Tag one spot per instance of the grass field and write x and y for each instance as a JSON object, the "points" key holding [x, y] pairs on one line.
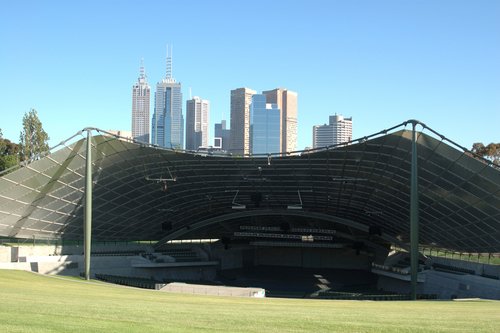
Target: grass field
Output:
{"points": [[36, 303]]}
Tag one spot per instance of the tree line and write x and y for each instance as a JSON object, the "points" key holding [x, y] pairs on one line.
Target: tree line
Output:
{"points": [[33, 141]]}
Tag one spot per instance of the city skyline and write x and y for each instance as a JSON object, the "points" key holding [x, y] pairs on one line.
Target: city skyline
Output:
{"points": [[380, 63]]}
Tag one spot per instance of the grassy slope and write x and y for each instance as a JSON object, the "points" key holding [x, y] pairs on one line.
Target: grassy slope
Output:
{"points": [[34, 303]]}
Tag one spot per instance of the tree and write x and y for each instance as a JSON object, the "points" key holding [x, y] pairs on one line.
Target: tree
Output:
{"points": [[8, 153], [490, 152], [33, 139]]}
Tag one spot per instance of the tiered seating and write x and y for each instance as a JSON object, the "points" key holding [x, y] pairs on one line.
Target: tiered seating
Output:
{"points": [[392, 269], [181, 255], [128, 281], [452, 269], [371, 296], [117, 253], [402, 267], [489, 276]]}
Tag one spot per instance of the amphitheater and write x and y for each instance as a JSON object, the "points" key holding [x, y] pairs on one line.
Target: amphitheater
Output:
{"points": [[403, 213]]}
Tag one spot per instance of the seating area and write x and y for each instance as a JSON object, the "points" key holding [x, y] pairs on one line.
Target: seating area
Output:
{"points": [[117, 253], [371, 296], [489, 276], [181, 255], [128, 281], [397, 268], [452, 269], [392, 269]]}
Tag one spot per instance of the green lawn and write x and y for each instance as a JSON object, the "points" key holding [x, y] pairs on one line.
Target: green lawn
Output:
{"points": [[35, 303]]}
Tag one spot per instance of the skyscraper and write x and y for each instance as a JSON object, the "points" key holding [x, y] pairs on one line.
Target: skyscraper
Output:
{"points": [[141, 96], [221, 136], [197, 119], [287, 103], [264, 126], [241, 99], [168, 122], [339, 130]]}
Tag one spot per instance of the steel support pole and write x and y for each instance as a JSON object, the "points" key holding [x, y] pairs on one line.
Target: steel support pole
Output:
{"points": [[414, 214], [88, 205]]}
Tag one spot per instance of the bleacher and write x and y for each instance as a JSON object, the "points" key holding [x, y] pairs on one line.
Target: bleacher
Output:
{"points": [[181, 255], [370, 296], [489, 276], [128, 281], [117, 253], [452, 269]]}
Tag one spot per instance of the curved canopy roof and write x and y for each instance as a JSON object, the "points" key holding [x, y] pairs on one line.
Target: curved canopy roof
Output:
{"points": [[147, 193]]}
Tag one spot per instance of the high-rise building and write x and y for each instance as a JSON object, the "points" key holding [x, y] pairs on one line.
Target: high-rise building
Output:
{"points": [[264, 126], [197, 119], [339, 130], [241, 99], [221, 136], [141, 96], [287, 103], [168, 122]]}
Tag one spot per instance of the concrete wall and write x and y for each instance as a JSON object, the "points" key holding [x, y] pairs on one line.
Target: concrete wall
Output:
{"points": [[446, 285], [213, 290], [57, 250], [5, 254], [45, 260], [478, 268]]}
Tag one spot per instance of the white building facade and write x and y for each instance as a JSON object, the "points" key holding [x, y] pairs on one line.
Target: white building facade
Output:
{"points": [[339, 130], [197, 120]]}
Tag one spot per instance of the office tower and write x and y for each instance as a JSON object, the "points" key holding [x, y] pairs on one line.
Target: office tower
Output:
{"points": [[221, 136], [339, 130], [168, 122], [241, 99], [287, 103], [141, 96], [197, 119], [264, 126]]}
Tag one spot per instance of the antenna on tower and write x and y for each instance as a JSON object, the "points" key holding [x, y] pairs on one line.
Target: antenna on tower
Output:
{"points": [[190, 94], [169, 63], [142, 71]]}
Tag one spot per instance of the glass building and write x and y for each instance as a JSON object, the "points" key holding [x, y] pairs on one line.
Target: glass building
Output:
{"points": [[168, 122], [221, 136], [264, 126], [287, 103]]}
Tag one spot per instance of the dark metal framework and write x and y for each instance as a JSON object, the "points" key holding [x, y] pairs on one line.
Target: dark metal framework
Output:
{"points": [[143, 192]]}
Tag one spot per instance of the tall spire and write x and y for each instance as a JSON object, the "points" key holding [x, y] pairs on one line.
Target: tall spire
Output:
{"points": [[169, 63], [142, 71]]}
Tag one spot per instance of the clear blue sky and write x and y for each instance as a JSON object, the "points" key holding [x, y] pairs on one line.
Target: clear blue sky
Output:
{"points": [[381, 62]]}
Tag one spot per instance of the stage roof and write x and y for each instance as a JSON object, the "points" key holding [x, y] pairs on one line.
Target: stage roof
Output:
{"points": [[143, 192]]}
